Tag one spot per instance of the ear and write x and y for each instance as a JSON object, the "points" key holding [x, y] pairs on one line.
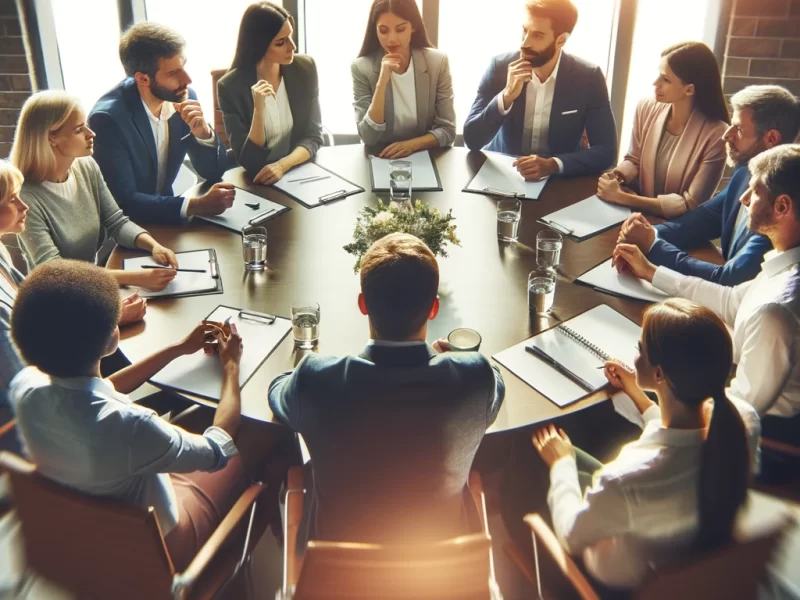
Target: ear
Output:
{"points": [[142, 79], [362, 304], [658, 375], [113, 343], [690, 89], [772, 138], [782, 207], [562, 39], [434, 309]]}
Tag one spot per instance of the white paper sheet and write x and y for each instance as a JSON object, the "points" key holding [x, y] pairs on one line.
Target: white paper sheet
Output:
{"points": [[184, 283], [423, 172], [605, 278], [326, 185], [201, 374], [239, 215], [587, 217], [497, 176]]}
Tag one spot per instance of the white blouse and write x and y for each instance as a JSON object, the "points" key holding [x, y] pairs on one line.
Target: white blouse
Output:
{"points": [[404, 95], [278, 124]]}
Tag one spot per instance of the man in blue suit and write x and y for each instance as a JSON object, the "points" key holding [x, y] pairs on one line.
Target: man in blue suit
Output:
{"points": [[147, 124], [393, 431], [537, 103], [764, 116]]}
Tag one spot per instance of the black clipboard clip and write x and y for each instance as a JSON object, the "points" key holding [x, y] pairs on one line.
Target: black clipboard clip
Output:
{"points": [[498, 192], [558, 228], [337, 195], [213, 265], [257, 317]]}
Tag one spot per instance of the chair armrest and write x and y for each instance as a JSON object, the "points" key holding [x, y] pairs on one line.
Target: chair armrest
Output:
{"points": [[183, 582], [781, 447], [564, 562], [295, 493]]}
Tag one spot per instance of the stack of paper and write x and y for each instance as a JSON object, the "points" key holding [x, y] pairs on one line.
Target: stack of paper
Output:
{"points": [[497, 177], [424, 176], [605, 278], [587, 217]]}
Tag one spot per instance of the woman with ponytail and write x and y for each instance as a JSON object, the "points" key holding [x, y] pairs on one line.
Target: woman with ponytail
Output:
{"points": [[678, 488]]}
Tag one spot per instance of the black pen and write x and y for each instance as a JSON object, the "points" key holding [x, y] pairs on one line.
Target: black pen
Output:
{"points": [[178, 270], [560, 368]]}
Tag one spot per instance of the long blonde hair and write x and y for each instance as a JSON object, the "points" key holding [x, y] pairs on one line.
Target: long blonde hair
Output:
{"points": [[10, 179], [42, 114]]}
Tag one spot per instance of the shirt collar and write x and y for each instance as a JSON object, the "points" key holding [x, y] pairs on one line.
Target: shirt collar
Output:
{"points": [[553, 75], [391, 344], [775, 262], [655, 433], [90, 384], [167, 110]]}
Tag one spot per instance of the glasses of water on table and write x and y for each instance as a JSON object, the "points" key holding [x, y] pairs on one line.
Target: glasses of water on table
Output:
{"points": [[254, 248], [548, 249], [305, 324], [400, 180], [541, 291], [509, 214]]}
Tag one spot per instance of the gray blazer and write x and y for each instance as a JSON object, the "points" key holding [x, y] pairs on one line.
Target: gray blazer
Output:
{"points": [[236, 103], [435, 112]]}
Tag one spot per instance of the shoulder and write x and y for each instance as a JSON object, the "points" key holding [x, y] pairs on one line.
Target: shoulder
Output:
{"points": [[579, 66], [433, 56], [112, 103], [26, 386], [472, 368], [86, 167], [304, 63], [232, 80], [363, 64]]}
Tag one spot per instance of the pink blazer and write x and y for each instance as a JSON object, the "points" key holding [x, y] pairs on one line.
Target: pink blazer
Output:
{"points": [[696, 166]]}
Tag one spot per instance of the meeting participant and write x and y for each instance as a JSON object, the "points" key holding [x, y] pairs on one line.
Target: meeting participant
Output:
{"points": [[764, 116], [680, 486], [146, 126], [402, 90], [72, 212], [392, 454], [270, 96], [677, 153], [765, 312], [538, 102]]}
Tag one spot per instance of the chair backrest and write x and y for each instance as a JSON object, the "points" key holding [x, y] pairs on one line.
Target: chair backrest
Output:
{"points": [[452, 569], [92, 547], [219, 123]]}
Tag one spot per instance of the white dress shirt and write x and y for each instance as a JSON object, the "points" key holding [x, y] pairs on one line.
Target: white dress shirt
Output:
{"points": [[82, 433], [404, 95], [641, 509], [278, 123], [538, 106], [765, 316]]}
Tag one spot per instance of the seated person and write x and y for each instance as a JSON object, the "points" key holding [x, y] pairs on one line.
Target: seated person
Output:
{"points": [[661, 497], [765, 312], [677, 152], [544, 121], [763, 117], [85, 433], [416, 112], [72, 212], [270, 97], [148, 123], [392, 432]]}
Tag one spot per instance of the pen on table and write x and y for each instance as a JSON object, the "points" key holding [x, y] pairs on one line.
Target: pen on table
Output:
{"points": [[559, 367], [313, 179], [178, 270], [302, 179]]}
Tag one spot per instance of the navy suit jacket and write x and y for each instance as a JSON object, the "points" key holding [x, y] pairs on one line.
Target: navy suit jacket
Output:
{"points": [[392, 434], [125, 149], [714, 219], [580, 87]]}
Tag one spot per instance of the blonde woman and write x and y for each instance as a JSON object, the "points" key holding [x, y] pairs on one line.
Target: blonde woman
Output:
{"points": [[72, 212]]}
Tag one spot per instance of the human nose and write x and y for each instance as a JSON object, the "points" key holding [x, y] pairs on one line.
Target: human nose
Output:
{"points": [[728, 135], [90, 134], [745, 199]]}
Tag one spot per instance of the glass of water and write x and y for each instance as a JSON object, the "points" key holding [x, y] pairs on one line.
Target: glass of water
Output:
{"points": [[541, 291], [509, 213], [305, 324], [400, 180], [548, 249], [254, 248]]}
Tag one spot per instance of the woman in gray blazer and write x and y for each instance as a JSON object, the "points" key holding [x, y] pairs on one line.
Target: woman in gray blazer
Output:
{"points": [[402, 91], [270, 97]]}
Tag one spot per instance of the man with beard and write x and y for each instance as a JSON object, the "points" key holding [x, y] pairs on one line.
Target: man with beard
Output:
{"points": [[538, 102], [764, 116], [765, 312], [147, 124]]}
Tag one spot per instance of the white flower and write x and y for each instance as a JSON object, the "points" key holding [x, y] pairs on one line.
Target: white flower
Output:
{"points": [[382, 217]]}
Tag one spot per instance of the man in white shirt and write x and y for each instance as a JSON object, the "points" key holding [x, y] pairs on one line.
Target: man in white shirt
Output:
{"points": [[765, 312]]}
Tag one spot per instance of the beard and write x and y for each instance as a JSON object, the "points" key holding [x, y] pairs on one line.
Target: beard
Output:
{"points": [[167, 95], [537, 59], [736, 158]]}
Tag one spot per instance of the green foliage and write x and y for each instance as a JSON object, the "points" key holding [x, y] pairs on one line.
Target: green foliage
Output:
{"points": [[420, 220]]}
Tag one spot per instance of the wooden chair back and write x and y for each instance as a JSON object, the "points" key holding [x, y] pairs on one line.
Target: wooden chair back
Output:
{"points": [[219, 123]]}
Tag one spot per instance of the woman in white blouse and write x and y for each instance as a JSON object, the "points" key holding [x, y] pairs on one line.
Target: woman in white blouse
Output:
{"points": [[402, 90], [270, 96], [680, 485]]}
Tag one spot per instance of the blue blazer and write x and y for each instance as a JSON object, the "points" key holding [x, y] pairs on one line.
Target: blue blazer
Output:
{"points": [[125, 149], [580, 87], [389, 432], [709, 221]]}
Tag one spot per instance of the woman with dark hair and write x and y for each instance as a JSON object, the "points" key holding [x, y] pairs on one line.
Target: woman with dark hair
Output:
{"points": [[270, 96], [681, 484], [677, 154], [402, 90]]}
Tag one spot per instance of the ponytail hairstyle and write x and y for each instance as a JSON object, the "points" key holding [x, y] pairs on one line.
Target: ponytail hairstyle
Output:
{"points": [[693, 348]]}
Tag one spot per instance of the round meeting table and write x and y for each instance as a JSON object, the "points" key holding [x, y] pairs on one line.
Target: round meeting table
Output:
{"points": [[483, 282]]}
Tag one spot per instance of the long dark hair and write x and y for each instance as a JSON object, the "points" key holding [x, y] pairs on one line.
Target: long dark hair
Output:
{"points": [[694, 63], [406, 9], [261, 22], [693, 348]]}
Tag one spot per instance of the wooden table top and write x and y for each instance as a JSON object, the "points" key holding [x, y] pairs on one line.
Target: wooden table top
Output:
{"points": [[483, 283]]}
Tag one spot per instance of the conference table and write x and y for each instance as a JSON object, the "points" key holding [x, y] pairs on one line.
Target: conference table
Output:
{"points": [[483, 283]]}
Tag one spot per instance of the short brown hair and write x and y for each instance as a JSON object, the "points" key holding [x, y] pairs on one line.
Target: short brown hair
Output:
{"points": [[562, 13], [64, 316], [778, 169], [400, 280], [143, 44]]}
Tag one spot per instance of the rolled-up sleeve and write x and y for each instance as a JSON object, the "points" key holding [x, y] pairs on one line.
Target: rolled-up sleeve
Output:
{"points": [[118, 226]]}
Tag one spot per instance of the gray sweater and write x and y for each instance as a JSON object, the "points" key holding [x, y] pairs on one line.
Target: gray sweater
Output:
{"points": [[57, 228]]}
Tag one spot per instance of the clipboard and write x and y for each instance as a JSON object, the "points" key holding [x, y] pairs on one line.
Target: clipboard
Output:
{"points": [[424, 174], [313, 181], [587, 218], [181, 286], [248, 210], [498, 178], [604, 278]]}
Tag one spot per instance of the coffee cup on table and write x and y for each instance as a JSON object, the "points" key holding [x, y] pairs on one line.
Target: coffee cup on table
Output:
{"points": [[464, 339]]}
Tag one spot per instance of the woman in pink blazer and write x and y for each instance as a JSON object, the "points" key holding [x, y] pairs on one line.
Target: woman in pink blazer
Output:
{"points": [[677, 154]]}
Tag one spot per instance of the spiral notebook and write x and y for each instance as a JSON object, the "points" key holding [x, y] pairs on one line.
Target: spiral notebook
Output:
{"points": [[564, 363]]}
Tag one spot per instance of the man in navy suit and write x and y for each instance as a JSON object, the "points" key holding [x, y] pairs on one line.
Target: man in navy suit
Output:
{"points": [[764, 116], [537, 103], [147, 124], [393, 431]]}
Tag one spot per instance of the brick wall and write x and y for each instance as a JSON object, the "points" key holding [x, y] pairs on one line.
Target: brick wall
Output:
{"points": [[15, 80]]}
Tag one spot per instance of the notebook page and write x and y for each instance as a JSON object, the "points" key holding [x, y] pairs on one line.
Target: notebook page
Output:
{"points": [[184, 283], [605, 278], [498, 174], [587, 217]]}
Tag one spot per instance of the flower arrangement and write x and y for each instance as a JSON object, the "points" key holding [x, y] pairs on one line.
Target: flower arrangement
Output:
{"points": [[419, 219]]}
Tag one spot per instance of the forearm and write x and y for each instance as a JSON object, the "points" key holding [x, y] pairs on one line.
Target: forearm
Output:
{"points": [[640, 399], [377, 108], [296, 157], [642, 203], [130, 378], [424, 142], [229, 410], [124, 278], [145, 241], [257, 135]]}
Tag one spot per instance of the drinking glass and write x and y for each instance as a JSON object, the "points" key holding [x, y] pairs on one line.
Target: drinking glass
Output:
{"points": [[509, 213], [464, 339], [541, 291], [548, 249], [400, 180], [254, 248], [305, 324]]}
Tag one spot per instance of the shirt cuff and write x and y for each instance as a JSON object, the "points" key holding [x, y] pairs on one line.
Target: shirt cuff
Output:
{"points": [[185, 209], [559, 163], [503, 110], [655, 240], [223, 445], [652, 413], [374, 125], [667, 280], [212, 141]]}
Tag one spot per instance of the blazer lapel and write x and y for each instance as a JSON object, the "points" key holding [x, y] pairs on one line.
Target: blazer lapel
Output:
{"points": [[562, 91], [422, 85], [141, 121], [649, 153], [683, 151], [294, 91]]}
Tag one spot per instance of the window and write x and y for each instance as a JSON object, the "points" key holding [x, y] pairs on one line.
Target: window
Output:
{"points": [[471, 34]]}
